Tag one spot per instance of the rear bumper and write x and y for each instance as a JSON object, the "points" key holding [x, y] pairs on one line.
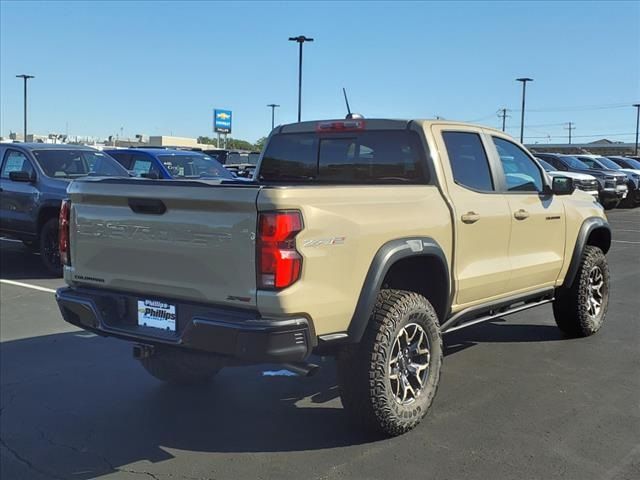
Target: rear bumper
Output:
{"points": [[237, 334]]}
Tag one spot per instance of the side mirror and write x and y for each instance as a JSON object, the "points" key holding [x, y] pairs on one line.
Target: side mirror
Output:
{"points": [[562, 186], [20, 176]]}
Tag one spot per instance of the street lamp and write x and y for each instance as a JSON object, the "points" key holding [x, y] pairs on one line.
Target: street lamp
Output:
{"points": [[25, 78], [637, 105], [300, 39], [273, 107], [524, 93]]}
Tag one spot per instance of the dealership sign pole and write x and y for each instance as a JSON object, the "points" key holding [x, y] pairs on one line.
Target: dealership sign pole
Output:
{"points": [[222, 124]]}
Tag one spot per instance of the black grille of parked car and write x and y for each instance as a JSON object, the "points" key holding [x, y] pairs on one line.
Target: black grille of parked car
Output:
{"points": [[587, 185], [609, 182], [621, 180]]}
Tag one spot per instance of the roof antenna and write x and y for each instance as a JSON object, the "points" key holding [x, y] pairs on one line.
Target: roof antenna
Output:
{"points": [[350, 116]]}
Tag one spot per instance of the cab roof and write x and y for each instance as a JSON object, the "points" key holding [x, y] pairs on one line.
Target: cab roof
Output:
{"points": [[47, 146], [377, 124]]}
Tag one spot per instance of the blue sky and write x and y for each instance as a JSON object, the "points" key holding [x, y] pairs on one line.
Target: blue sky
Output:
{"points": [[160, 67]]}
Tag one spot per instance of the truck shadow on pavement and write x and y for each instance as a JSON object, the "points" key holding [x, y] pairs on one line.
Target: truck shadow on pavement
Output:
{"points": [[18, 262], [74, 405]]}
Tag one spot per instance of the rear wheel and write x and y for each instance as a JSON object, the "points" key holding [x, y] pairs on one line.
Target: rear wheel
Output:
{"points": [[388, 381], [49, 247], [181, 367], [580, 309]]}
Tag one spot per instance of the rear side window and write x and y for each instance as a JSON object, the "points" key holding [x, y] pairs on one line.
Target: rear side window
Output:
{"points": [[468, 160], [370, 157]]}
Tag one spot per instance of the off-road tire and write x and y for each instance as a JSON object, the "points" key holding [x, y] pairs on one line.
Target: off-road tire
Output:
{"points": [[174, 366], [610, 204], [571, 306], [364, 369], [48, 245]]}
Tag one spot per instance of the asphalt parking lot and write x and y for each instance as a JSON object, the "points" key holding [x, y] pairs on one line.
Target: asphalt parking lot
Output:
{"points": [[516, 401]]}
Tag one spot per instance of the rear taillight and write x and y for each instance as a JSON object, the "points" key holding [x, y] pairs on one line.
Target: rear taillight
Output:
{"points": [[279, 264], [63, 232]]}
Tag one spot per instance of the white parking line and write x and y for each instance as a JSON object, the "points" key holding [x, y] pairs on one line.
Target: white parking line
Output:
{"points": [[623, 241], [27, 285]]}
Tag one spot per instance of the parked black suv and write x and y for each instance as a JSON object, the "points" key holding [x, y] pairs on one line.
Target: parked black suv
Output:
{"points": [[33, 181], [597, 162], [612, 186]]}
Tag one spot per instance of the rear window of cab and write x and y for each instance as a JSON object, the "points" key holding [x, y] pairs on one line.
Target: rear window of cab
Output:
{"points": [[363, 157]]}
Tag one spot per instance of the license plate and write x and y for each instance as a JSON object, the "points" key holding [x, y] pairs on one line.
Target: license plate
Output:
{"points": [[156, 314]]}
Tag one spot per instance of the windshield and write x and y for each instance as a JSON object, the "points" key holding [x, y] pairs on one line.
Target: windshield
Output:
{"points": [[573, 162], [631, 163], [609, 163], [547, 166], [78, 163], [194, 166]]}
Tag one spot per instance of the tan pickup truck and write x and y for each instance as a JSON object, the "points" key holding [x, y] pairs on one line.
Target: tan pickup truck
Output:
{"points": [[362, 239]]}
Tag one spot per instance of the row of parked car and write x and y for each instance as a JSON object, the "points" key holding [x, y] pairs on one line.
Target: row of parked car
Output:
{"points": [[34, 179], [612, 180]]}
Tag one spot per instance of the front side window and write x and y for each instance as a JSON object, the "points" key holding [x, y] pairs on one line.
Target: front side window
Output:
{"points": [[520, 171], [15, 161], [469, 161], [78, 163]]}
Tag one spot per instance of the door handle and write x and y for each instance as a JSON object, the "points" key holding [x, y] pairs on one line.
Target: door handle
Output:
{"points": [[521, 214], [470, 217]]}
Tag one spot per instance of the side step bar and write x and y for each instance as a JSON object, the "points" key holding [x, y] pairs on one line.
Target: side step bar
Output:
{"points": [[482, 313]]}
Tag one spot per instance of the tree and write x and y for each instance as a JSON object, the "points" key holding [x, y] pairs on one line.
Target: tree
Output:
{"points": [[260, 143]]}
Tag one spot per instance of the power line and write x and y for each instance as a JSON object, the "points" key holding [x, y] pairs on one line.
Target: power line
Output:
{"points": [[570, 127], [590, 135], [502, 113], [579, 108]]}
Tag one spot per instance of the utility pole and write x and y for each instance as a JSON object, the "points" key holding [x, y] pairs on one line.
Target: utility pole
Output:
{"points": [[524, 81], [502, 113], [25, 78], [273, 107], [300, 39], [637, 105], [570, 127]]}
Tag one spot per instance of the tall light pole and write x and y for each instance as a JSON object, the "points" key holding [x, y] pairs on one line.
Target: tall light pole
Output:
{"points": [[300, 39], [25, 78], [273, 107], [524, 94], [637, 105]]}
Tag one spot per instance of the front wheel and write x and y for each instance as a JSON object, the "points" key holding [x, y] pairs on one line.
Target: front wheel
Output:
{"points": [[580, 309], [388, 381], [49, 252]]}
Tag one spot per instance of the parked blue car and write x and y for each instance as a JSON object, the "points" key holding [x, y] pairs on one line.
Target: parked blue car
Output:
{"points": [[33, 182], [161, 163]]}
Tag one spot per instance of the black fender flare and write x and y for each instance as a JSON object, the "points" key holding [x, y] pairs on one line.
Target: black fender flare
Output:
{"points": [[383, 260], [587, 227]]}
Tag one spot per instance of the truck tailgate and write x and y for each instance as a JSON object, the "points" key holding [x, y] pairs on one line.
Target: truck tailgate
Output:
{"points": [[165, 239]]}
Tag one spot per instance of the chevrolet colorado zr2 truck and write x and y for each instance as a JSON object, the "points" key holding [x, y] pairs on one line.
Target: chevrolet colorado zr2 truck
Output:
{"points": [[362, 239]]}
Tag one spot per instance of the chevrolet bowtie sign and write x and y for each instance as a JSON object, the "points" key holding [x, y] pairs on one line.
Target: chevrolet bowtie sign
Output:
{"points": [[222, 121]]}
